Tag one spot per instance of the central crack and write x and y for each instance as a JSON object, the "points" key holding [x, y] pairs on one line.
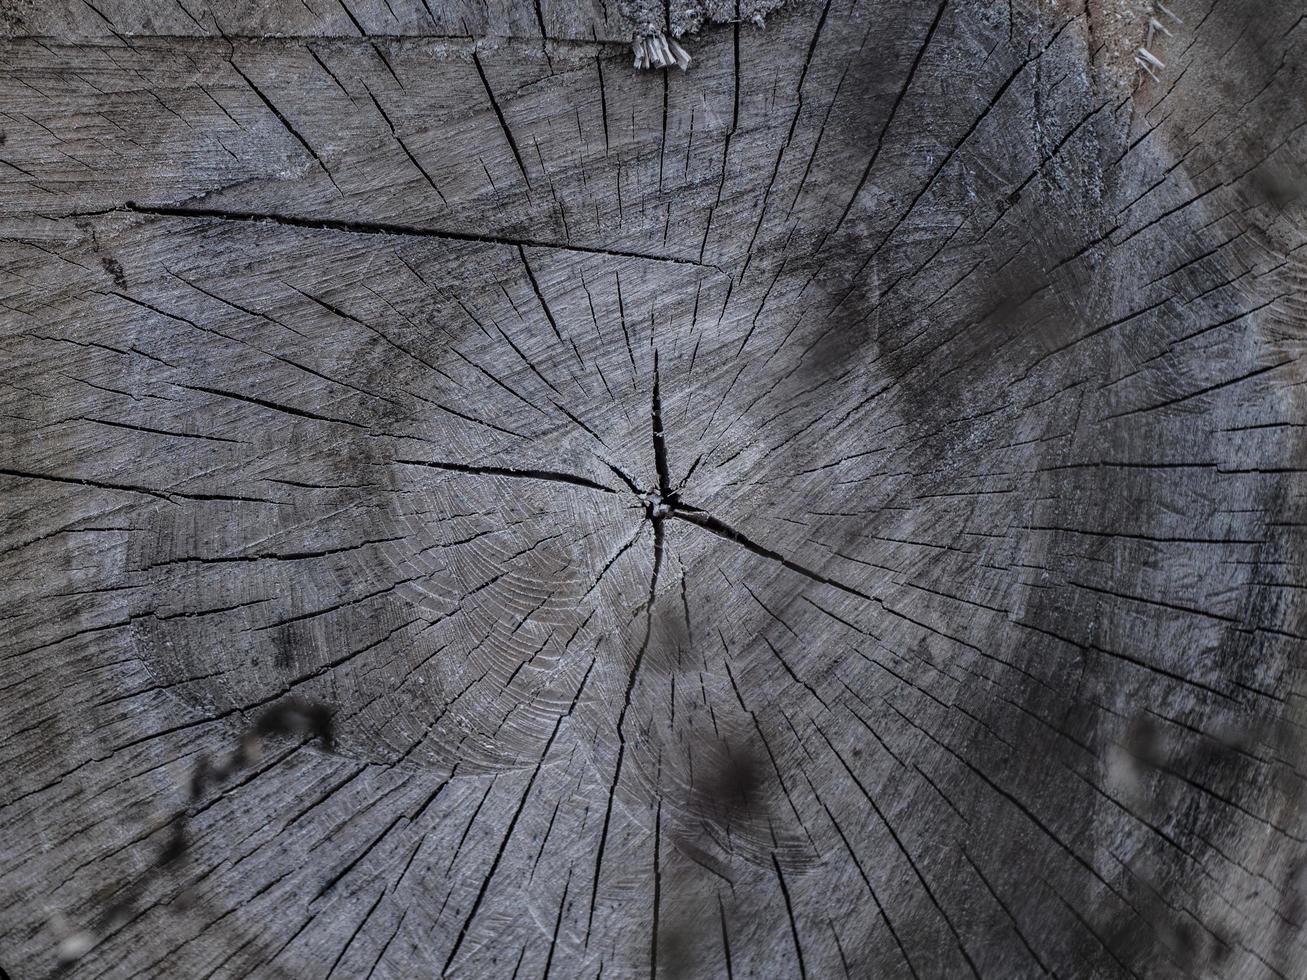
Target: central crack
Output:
{"points": [[660, 502], [655, 507], [664, 501]]}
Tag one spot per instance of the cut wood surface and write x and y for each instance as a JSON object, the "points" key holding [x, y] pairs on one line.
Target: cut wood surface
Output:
{"points": [[835, 511]]}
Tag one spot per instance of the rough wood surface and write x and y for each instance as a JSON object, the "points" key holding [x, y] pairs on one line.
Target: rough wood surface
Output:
{"points": [[835, 511]]}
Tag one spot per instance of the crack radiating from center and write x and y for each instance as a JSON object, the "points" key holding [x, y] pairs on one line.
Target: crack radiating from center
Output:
{"points": [[720, 528], [551, 476], [659, 441], [661, 501]]}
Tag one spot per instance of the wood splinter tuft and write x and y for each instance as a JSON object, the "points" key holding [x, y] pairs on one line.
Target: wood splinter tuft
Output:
{"points": [[657, 25], [658, 51], [1144, 58]]}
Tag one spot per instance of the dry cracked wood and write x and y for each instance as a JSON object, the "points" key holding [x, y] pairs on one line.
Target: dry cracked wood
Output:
{"points": [[835, 511]]}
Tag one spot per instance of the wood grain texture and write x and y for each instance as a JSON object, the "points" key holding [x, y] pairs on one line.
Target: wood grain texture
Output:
{"points": [[374, 20], [837, 511]]}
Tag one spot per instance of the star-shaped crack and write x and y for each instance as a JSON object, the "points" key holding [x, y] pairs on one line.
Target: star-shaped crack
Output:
{"points": [[660, 503]]}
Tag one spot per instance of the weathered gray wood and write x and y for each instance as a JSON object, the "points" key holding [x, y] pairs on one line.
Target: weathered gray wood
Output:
{"points": [[834, 511], [563, 20]]}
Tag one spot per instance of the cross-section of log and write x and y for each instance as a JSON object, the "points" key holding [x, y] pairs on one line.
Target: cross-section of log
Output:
{"points": [[474, 508]]}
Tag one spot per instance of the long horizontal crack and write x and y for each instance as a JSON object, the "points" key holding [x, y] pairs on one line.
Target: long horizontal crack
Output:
{"points": [[550, 476], [378, 228], [724, 530]]}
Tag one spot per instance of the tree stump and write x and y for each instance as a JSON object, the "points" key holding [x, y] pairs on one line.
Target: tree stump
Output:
{"points": [[475, 508]]}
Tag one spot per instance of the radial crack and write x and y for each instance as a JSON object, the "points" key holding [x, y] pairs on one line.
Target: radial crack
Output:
{"points": [[723, 530], [375, 228], [659, 443], [550, 476]]}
